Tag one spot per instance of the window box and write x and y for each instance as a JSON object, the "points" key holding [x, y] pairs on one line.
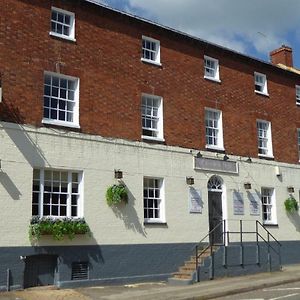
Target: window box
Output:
{"points": [[62, 24], [57, 227]]}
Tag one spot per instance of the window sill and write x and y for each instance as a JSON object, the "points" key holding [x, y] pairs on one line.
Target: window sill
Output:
{"points": [[151, 62], [271, 224], [262, 93], [60, 123], [214, 148], [269, 157], [212, 79], [155, 223], [64, 37], [154, 139]]}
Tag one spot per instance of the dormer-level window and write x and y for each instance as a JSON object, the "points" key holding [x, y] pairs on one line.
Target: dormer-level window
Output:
{"points": [[211, 68], [150, 50], [62, 23], [260, 83], [298, 94]]}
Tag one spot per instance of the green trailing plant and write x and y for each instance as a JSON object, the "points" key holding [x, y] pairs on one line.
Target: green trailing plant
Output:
{"points": [[291, 204], [57, 227], [116, 194]]}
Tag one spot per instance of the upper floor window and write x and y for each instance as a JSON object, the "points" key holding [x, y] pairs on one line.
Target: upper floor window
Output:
{"points": [[260, 82], [268, 205], [152, 117], [56, 193], [62, 23], [211, 68], [61, 100], [298, 131], [264, 138], [153, 200], [150, 50], [298, 94], [214, 129]]}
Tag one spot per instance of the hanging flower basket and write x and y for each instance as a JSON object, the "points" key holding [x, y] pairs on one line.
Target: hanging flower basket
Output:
{"points": [[116, 194], [291, 205]]}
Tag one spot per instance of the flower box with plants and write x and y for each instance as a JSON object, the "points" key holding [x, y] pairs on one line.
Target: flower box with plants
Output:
{"points": [[116, 194], [57, 227], [291, 205]]}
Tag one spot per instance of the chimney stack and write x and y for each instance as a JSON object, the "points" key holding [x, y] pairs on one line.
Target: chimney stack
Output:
{"points": [[282, 55]]}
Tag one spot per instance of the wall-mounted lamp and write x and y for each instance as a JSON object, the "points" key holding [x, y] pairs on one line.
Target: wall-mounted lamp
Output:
{"points": [[226, 157], [290, 189], [190, 180], [247, 186], [249, 160], [118, 174], [199, 155]]}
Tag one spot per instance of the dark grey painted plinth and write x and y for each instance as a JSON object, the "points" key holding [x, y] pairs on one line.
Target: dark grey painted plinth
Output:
{"points": [[108, 264]]}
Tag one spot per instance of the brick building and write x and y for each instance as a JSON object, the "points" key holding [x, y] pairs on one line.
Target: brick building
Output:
{"points": [[201, 134]]}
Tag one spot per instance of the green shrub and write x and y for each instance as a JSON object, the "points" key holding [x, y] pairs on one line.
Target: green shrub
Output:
{"points": [[115, 194], [291, 204], [57, 227]]}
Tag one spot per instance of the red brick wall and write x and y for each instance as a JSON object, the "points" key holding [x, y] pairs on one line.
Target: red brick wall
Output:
{"points": [[106, 58]]}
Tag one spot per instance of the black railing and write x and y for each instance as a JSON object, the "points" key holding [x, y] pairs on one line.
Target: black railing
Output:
{"points": [[214, 240]]}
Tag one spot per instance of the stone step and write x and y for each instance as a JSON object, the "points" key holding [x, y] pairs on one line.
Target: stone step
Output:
{"points": [[183, 276]]}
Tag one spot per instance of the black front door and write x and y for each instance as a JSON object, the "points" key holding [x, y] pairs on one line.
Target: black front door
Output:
{"points": [[215, 217], [39, 270]]}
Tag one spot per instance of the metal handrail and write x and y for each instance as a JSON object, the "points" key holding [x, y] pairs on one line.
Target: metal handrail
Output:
{"points": [[263, 227], [241, 233]]}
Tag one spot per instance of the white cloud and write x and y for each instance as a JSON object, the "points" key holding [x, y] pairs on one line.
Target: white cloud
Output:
{"points": [[237, 24]]}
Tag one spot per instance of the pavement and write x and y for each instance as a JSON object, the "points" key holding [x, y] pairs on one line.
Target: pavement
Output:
{"points": [[214, 289]]}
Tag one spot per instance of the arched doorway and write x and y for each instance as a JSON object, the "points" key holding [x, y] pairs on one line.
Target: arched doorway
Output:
{"points": [[215, 210]]}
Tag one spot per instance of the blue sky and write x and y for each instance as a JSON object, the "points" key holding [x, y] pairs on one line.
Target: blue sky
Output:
{"points": [[253, 27]]}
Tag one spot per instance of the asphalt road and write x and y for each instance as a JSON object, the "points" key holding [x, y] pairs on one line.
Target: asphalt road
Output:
{"points": [[288, 291]]}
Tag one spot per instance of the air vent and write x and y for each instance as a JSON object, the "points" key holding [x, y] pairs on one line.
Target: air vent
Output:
{"points": [[80, 270]]}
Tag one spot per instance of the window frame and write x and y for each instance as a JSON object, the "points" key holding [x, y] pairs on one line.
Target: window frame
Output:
{"points": [[272, 211], [268, 138], [160, 129], [71, 36], [264, 85], [297, 95], [69, 193], [156, 61], [298, 138], [162, 216], [219, 137], [216, 70], [75, 122]]}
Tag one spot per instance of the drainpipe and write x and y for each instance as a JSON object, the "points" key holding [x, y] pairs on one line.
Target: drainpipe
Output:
{"points": [[8, 280]]}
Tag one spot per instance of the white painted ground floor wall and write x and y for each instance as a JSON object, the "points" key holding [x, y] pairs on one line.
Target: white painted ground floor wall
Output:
{"points": [[24, 148], [122, 247]]}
